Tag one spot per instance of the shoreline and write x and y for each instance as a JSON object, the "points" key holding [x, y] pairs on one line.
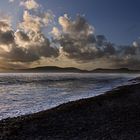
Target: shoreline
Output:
{"points": [[113, 115]]}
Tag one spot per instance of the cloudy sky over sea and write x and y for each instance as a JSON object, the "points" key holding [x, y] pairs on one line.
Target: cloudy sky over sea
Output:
{"points": [[86, 34]]}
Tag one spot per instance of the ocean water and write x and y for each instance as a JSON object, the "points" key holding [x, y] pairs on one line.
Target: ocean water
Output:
{"points": [[25, 93]]}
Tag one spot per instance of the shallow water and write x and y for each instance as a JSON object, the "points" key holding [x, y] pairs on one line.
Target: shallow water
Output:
{"points": [[25, 93]]}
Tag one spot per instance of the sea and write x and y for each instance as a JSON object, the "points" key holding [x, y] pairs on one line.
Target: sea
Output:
{"points": [[27, 93]]}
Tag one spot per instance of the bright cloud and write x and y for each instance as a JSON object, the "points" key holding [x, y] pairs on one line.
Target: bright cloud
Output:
{"points": [[30, 4]]}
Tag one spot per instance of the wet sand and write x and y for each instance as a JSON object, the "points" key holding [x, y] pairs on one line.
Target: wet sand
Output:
{"points": [[112, 116]]}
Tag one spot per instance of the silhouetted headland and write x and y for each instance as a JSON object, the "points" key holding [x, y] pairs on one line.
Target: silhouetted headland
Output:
{"points": [[76, 70]]}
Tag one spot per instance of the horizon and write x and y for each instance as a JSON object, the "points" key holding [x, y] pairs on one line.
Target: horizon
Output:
{"points": [[57, 68], [84, 34]]}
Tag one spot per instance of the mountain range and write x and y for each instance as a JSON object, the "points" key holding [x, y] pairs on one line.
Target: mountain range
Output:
{"points": [[76, 70]]}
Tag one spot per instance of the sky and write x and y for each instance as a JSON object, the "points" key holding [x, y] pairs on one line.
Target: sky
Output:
{"points": [[86, 34], [118, 20]]}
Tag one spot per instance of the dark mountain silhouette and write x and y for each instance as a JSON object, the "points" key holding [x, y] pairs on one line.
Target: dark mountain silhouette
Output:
{"points": [[53, 69], [121, 70], [76, 70]]}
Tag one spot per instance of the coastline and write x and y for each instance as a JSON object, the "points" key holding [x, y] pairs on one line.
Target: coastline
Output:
{"points": [[113, 115]]}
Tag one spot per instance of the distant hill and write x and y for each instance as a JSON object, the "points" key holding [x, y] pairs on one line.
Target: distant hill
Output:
{"points": [[53, 69], [76, 70], [121, 70]]}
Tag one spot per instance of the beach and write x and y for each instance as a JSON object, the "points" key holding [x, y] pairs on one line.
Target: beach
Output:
{"points": [[114, 115]]}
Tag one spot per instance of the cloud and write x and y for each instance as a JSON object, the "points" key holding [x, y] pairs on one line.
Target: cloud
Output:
{"points": [[21, 37], [35, 23], [78, 40], [6, 37], [55, 32], [24, 45], [30, 22], [6, 33], [29, 4]]}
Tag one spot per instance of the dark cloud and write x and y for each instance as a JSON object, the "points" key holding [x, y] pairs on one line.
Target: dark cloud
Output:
{"points": [[33, 50], [6, 33], [21, 35], [4, 25], [25, 47], [79, 42], [6, 37]]}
